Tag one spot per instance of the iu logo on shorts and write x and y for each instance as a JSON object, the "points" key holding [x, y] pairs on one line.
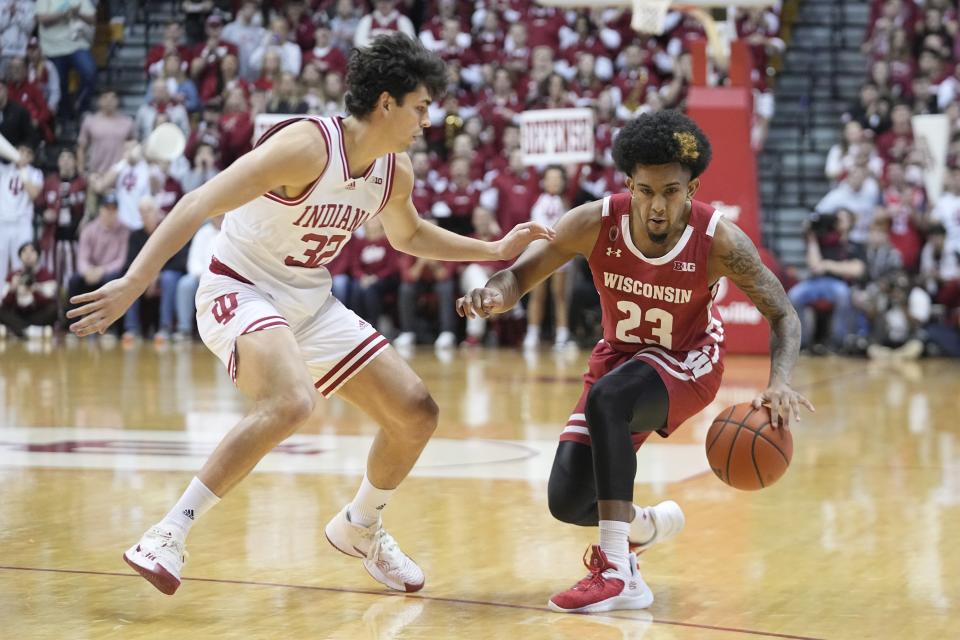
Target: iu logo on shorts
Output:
{"points": [[224, 308]]}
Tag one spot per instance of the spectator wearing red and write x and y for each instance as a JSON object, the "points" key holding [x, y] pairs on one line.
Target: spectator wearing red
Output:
{"points": [[896, 143], [517, 50], [454, 48], [500, 105], [512, 192], [324, 55], [43, 73], [270, 71], [586, 85], [63, 202], [205, 66], [554, 93], [236, 128], [375, 271], [584, 38], [634, 79], [161, 108], [431, 31], [28, 300], [172, 43], [302, 26], [383, 19], [30, 97], [488, 39], [423, 193], [454, 205], [543, 25], [230, 78], [905, 205]]}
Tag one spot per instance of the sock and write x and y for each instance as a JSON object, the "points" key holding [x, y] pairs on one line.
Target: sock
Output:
{"points": [[533, 330], [194, 502], [368, 503], [563, 335], [642, 529], [613, 542]]}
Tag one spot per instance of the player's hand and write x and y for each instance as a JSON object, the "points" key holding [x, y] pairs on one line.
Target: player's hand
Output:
{"points": [[101, 308], [480, 303], [784, 404], [513, 244]]}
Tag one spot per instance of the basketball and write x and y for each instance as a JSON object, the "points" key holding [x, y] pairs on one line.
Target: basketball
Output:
{"points": [[745, 451]]}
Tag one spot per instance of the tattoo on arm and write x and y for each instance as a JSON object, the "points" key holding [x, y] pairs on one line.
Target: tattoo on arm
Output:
{"points": [[744, 267]]}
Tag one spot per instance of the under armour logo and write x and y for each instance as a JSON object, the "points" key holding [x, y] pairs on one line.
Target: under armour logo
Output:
{"points": [[614, 252], [362, 324], [188, 513], [351, 185]]}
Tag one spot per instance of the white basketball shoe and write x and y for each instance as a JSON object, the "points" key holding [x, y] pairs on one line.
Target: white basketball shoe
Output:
{"points": [[158, 557], [668, 521], [382, 558]]}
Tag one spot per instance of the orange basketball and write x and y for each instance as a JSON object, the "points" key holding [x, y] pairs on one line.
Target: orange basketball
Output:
{"points": [[744, 449]]}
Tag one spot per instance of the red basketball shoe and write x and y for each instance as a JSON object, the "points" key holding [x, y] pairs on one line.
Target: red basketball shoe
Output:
{"points": [[607, 588]]}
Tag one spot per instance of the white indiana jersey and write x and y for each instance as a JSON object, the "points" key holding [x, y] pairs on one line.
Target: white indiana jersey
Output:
{"points": [[15, 202], [282, 245]]}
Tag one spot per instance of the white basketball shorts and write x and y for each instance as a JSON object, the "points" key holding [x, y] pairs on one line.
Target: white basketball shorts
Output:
{"points": [[335, 342]]}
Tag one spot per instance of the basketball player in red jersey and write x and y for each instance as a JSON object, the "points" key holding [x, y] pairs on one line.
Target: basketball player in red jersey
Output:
{"points": [[265, 309], [656, 255]]}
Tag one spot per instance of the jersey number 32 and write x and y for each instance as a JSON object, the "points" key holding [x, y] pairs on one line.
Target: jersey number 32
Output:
{"points": [[663, 331], [323, 249]]}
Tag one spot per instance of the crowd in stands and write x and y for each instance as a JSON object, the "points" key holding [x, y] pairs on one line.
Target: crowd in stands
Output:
{"points": [[883, 253], [224, 62]]}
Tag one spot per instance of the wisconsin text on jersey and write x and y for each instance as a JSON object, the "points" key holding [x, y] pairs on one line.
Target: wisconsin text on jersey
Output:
{"points": [[337, 216], [620, 282]]}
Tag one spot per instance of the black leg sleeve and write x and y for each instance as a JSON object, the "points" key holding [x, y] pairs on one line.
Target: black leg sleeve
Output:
{"points": [[572, 491], [630, 398]]}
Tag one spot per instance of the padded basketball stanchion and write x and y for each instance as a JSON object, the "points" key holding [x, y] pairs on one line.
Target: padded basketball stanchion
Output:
{"points": [[730, 184]]}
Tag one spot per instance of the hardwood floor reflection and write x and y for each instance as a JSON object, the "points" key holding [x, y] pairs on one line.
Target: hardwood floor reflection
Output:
{"points": [[857, 540]]}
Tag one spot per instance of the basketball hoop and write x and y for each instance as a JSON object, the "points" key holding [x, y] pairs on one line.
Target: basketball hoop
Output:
{"points": [[650, 16]]}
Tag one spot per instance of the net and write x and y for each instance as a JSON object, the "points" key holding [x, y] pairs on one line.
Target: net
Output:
{"points": [[650, 16]]}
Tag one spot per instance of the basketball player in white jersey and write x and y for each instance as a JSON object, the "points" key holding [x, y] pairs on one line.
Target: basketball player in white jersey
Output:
{"points": [[265, 308], [20, 184]]}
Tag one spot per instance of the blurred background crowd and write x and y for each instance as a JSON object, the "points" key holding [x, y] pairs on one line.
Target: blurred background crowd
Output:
{"points": [[82, 200]]}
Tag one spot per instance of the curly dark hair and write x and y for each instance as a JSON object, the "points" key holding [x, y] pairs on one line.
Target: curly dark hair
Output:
{"points": [[664, 137], [393, 63]]}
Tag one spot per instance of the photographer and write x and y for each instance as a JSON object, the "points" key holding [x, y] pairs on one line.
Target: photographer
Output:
{"points": [[835, 264], [28, 297]]}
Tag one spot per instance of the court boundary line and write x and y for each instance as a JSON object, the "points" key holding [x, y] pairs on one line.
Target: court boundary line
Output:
{"points": [[484, 603]]}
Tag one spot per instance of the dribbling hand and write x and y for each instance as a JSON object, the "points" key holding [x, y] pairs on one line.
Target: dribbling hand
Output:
{"points": [[512, 244], [480, 303], [784, 403], [101, 308]]}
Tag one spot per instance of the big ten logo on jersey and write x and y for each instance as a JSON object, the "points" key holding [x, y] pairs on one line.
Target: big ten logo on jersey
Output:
{"points": [[225, 307], [689, 267]]}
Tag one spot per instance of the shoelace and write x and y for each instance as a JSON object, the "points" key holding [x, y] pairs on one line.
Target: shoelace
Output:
{"points": [[384, 546], [166, 541], [595, 580]]}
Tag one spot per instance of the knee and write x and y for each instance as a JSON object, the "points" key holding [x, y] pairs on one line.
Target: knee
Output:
{"points": [[286, 412], [602, 401], [421, 414]]}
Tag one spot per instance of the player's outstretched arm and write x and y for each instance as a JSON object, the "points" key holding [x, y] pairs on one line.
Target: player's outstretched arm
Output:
{"points": [[733, 255], [576, 234], [408, 233], [294, 157]]}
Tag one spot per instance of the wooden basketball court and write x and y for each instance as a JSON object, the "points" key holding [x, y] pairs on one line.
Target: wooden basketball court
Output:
{"points": [[859, 540]]}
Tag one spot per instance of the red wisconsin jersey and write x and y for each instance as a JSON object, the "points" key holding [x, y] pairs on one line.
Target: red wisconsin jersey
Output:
{"points": [[664, 301]]}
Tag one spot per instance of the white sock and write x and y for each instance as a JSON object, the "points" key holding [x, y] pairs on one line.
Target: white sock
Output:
{"points": [[642, 529], [614, 543], [368, 503], [533, 330], [194, 502], [563, 335]]}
